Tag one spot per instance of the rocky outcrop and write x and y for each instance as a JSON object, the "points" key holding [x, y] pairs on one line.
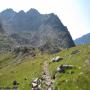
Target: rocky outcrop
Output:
{"points": [[56, 59], [62, 68], [44, 31]]}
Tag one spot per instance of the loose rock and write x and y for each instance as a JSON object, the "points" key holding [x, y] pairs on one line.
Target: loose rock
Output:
{"points": [[62, 68], [36, 84], [75, 52], [56, 59]]}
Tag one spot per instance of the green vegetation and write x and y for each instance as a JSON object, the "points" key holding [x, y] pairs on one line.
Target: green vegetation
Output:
{"points": [[78, 77], [23, 73], [25, 69], [5, 42]]}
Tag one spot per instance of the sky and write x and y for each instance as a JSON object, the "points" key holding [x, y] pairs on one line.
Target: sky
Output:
{"points": [[75, 14]]}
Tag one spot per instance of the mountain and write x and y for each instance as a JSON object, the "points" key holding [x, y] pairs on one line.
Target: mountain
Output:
{"points": [[44, 31], [83, 40], [1, 29], [6, 42], [23, 35]]}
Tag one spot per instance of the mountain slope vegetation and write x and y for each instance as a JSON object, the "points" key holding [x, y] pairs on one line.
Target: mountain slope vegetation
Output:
{"points": [[25, 69]]}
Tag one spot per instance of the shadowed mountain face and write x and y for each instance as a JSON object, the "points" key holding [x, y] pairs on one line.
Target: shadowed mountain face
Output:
{"points": [[83, 40], [5, 41], [1, 29], [44, 31]]}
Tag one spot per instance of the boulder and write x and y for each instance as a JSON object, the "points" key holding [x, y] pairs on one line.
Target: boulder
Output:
{"points": [[62, 68], [34, 85], [15, 82], [75, 52], [56, 59], [37, 81]]}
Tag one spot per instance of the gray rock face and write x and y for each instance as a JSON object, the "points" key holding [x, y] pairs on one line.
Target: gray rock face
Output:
{"points": [[1, 28], [44, 31]]}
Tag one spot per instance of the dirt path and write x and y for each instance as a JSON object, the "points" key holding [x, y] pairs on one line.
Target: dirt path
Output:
{"points": [[47, 77]]}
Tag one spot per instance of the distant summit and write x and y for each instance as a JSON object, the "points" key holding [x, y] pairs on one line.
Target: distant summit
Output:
{"points": [[21, 12], [44, 31], [7, 14], [8, 11], [83, 40], [33, 11]]}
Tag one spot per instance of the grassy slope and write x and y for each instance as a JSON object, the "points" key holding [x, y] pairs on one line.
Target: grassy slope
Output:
{"points": [[32, 67], [79, 79]]}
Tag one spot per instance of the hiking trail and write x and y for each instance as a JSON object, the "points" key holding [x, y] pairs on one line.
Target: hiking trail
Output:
{"points": [[47, 76]]}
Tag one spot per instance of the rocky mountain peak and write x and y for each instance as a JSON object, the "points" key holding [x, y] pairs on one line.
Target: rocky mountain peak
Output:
{"points": [[7, 14], [33, 11], [21, 12], [9, 10]]}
